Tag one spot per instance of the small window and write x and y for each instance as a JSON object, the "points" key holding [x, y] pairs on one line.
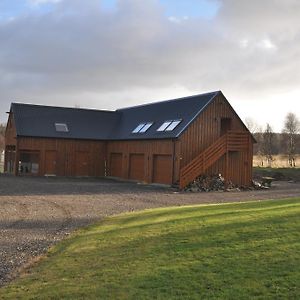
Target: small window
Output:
{"points": [[173, 125], [142, 127], [138, 128], [169, 125], [164, 126], [146, 127], [61, 127]]}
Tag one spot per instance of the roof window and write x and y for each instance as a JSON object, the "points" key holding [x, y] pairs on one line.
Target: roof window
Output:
{"points": [[142, 127], [169, 125], [61, 127]]}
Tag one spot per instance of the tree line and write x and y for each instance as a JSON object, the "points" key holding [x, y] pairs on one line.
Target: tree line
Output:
{"points": [[270, 143], [2, 133]]}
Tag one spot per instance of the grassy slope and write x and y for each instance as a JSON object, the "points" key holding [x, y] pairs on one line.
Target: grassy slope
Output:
{"points": [[232, 251]]}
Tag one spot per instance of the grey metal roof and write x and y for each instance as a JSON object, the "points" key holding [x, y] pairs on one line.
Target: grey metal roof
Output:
{"points": [[39, 121], [186, 109]]}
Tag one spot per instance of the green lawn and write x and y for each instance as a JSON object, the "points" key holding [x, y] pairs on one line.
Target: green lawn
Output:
{"points": [[230, 251], [278, 173]]}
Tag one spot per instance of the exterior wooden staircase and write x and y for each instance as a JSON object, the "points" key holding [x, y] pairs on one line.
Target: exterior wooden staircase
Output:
{"points": [[231, 141]]}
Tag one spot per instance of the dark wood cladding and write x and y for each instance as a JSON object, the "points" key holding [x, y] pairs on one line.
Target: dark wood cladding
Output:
{"points": [[65, 157]]}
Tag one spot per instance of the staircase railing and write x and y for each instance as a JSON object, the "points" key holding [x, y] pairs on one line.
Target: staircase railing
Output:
{"points": [[231, 141]]}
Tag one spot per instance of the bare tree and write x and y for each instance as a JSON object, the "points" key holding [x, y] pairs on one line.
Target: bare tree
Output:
{"points": [[252, 126], [267, 146], [2, 134], [290, 131]]}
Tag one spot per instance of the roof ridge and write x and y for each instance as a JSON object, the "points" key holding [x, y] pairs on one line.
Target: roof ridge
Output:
{"points": [[63, 107], [166, 101]]}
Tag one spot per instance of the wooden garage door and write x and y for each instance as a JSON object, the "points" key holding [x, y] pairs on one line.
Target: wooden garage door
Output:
{"points": [[116, 165], [162, 169], [137, 167], [50, 162], [82, 163]]}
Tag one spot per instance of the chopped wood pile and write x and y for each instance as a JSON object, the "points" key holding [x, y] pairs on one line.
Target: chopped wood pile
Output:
{"points": [[209, 183]]}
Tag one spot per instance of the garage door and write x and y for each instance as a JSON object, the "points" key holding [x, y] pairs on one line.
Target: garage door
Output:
{"points": [[116, 165], [82, 164], [162, 169], [137, 167]]}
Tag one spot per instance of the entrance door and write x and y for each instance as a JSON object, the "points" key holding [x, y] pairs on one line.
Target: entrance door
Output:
{"points": [[225, 125], [137, 167], [50, 162], [162, 169], [82, 163], [116, 165]]}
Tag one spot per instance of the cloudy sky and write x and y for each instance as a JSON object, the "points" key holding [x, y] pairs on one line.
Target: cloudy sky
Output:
{"points": [[108, 54]]}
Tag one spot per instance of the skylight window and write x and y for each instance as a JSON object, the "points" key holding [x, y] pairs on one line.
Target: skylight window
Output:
{"points": [[61, 127], [169, 125], [142, 127], [164, 126], [146, 127], [173, 125]]}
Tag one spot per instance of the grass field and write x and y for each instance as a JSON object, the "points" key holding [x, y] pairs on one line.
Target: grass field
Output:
{"points": [[278, 173], [229, 251], [279, 161]]}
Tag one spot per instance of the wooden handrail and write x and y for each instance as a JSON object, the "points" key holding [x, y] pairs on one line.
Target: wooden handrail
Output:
{"points": [[231, 141]]}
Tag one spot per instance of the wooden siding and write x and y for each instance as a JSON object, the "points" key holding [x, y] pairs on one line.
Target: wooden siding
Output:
{"points": [[158, 161], [137, 166], [205, 130], [149, 149], [67, 157], [50, 162], [10, 132], [116, 162], [162, 169]]}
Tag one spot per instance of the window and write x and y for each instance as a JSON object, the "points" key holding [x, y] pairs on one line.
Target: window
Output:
{"points": [[146, 127], [169, 125], [142, 127], [173, 125], [29, 162], [61, 127], [164, 126]]}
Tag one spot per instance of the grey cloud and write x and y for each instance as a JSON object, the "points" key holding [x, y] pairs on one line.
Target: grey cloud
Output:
{"points": [[78, 50]]}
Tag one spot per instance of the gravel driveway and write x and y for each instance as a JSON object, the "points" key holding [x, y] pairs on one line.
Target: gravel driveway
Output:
{"points": [[37, 212]]}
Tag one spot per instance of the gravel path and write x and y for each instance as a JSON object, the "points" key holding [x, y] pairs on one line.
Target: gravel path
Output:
{"points": [[37, 212]]}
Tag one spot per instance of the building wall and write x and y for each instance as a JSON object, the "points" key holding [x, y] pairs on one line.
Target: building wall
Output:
{"points": [[10, 132], [205, 130], [65, 157], [162, 154], [149, 160]]}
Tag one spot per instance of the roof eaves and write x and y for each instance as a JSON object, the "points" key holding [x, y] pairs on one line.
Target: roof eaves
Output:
{"points": [[197, 114]]}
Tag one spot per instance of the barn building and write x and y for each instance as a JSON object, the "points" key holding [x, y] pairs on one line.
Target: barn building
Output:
{"points": [[169, 142]]}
